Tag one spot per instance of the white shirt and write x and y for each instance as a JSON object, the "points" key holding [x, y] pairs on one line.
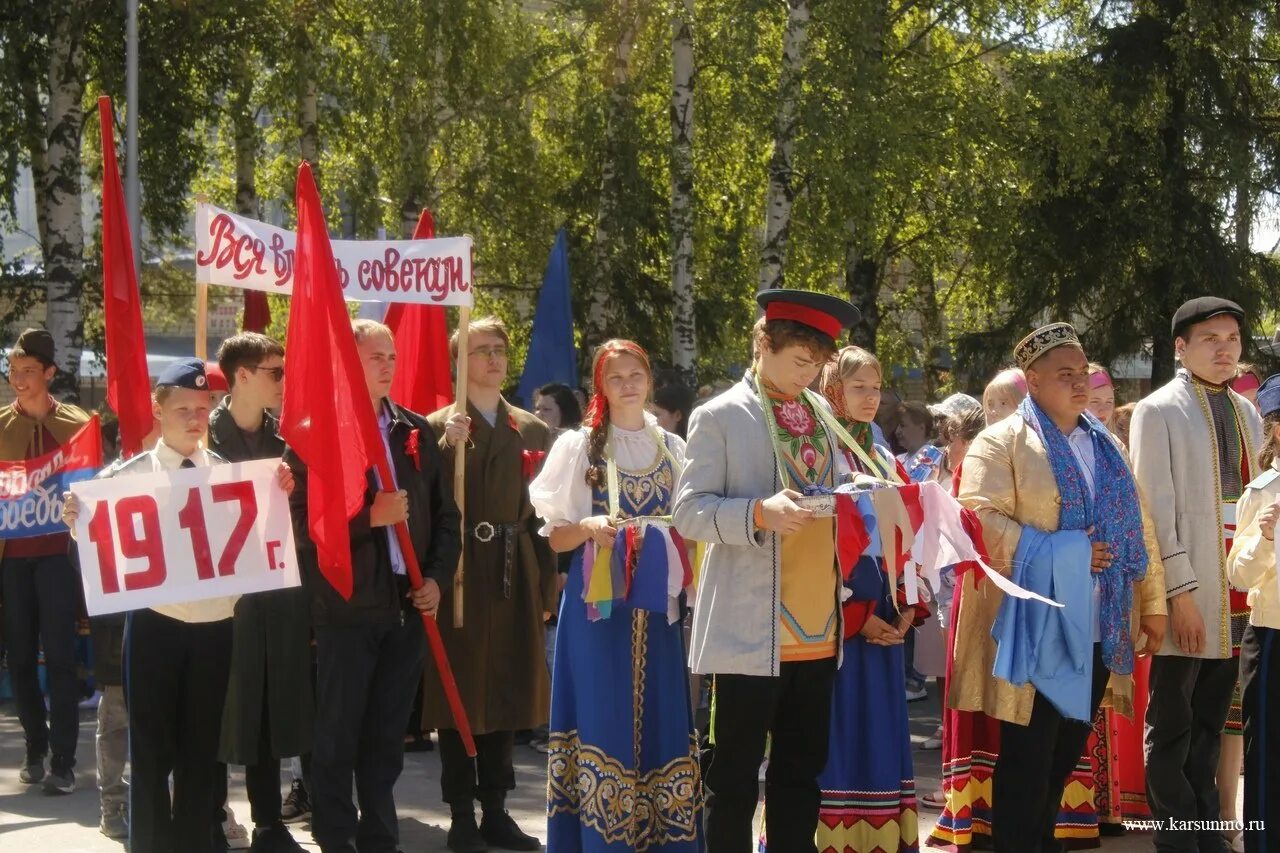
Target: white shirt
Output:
{"points": [[164, 458], [560, 494], [1082, 448], [393, 543]]}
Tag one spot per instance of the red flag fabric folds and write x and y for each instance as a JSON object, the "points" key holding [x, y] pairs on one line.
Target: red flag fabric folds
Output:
{"points": [[326, 418], [128, 384], [257, 312], [422, 382]]}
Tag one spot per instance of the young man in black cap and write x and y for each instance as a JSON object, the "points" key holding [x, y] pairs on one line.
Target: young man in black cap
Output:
{"points": [[767, 623], [176, 656], [269, 712], [370, 648], [1194, 444], [40, 588]]}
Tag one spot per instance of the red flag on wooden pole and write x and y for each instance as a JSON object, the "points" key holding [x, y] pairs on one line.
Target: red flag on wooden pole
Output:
{"points": [[257, 312], [422, 382], [128, 384], [326, 401]]}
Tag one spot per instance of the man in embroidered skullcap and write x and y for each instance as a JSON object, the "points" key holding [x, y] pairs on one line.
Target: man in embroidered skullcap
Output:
{"points": [[767, 622], [1061, 516], [1194, 444]]}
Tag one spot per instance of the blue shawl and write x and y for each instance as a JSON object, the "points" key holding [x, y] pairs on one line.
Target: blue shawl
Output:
{"points": [[1114, 514]]}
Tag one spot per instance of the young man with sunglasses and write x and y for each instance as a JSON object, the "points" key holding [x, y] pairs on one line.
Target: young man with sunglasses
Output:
{"points": [[269, 708]]}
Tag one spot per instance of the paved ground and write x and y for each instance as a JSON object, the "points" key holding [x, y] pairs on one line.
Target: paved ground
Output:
{"points": [[32, 821]]}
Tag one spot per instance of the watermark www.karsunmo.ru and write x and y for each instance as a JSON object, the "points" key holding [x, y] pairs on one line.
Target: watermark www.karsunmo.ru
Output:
{"points": [[1173, 824]]}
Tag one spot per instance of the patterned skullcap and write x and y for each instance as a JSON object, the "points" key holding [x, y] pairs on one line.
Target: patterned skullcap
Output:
{"points": [[1042, 340]]}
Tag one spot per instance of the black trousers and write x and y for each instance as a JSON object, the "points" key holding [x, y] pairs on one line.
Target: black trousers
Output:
{"points": [[1032, 769], [40, 599], [1260, 681], [487, 777], [795, 708], [175, 686], [1188, 707], [366, 677]]}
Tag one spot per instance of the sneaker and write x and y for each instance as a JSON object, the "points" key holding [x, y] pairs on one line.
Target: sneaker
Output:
{"points": [[499, 829], [934, 741], [915, 694], [540, 744], [33, 771], [297, 806], [274, 839], [115, 822], [464, 836], [237, 837], [90, 703], [60, 782]]}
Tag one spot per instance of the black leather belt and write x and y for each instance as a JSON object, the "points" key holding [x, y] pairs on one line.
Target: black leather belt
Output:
{"points": [[487, 531]]}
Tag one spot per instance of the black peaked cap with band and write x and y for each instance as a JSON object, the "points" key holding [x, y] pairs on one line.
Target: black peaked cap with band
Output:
{"points": [[1203, 308], [827, 314]]}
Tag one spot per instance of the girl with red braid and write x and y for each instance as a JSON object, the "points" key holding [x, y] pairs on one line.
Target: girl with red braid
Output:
{"points": [[623, 768]]}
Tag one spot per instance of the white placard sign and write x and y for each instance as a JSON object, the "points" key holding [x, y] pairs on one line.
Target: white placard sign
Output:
{"points": [[168, 538], [236, 251]]}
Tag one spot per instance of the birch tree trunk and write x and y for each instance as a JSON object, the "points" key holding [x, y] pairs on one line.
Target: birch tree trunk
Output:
{"points": [[684, 341], [781, 192], [63, 250], [608, 235], [243, 120]]}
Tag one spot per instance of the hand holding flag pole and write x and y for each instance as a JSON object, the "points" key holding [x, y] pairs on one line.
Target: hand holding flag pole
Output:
{"points": [[326, 405]]}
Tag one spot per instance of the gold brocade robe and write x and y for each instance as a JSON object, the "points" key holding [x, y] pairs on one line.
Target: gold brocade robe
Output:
{"points": [[1008, 482]]}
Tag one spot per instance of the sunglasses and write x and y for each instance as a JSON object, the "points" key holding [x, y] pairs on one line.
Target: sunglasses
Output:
{"points": [[276, 373]]}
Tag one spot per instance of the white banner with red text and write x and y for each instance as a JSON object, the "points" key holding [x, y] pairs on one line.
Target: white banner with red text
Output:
{"points": [[179, 536], [235, 251]]}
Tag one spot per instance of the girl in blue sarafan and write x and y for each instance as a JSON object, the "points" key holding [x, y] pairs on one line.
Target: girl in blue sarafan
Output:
{"points": [[623, 767]]}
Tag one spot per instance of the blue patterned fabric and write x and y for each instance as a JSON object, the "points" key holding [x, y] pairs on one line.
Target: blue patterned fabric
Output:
{"points": [[623, 773], [1114, 514]]}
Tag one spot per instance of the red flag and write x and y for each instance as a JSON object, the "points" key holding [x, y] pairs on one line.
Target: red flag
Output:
{"points": [[327, 417], [422, 382], [128, 384], [257, 313]]}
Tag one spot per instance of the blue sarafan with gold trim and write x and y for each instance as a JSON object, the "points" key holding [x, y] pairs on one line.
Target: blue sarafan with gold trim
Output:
{"points": [[623, 767]]}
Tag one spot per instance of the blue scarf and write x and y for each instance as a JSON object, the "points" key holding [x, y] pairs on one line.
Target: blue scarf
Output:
{"points": [[1114, 514]]}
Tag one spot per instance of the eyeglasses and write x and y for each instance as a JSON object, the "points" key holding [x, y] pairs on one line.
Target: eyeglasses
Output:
{"points": [[276, 373], [489, 352]]}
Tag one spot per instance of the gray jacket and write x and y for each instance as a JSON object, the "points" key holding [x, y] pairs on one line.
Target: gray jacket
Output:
{"points": [[1175, 461], [730, 467]]}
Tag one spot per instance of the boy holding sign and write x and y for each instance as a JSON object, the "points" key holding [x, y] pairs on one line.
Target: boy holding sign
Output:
{"points": [[40, 589], [177, 656]]}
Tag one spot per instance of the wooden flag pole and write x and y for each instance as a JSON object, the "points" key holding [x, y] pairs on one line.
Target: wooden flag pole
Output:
{"points": [[202, 308], [460, 462]]}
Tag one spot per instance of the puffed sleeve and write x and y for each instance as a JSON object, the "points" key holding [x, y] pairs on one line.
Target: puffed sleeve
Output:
{"points": [[560, 494]]}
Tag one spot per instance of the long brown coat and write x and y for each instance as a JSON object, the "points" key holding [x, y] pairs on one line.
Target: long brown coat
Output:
{"points": [[497, 656]]}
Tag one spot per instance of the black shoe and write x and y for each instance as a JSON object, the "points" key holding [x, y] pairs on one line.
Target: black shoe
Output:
{"points": [[419, 743], [297, 806], [60, 782], [32, 771], [499, 829], [464, 835], [274, 839]]}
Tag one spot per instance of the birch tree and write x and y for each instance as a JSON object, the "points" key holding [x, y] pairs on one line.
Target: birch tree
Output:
{"points": [[684, 341], [781, 190]]}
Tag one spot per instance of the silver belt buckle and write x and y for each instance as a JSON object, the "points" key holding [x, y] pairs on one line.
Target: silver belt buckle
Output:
{"points": [[484, 532]]}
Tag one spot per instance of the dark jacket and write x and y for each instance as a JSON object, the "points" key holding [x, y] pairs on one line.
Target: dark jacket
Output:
{"points": [[377, 597], [271, 637], [497, 655]]}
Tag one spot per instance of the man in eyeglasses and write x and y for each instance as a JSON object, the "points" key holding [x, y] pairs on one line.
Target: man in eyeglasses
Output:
{"points": [[269, 708]]}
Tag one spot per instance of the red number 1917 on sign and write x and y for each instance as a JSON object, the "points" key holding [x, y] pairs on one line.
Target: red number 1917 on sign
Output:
{"points": [[165, 538], [149, 546]]}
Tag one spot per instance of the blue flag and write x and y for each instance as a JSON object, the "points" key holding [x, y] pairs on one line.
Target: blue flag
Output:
{"points": [[552, 356]]}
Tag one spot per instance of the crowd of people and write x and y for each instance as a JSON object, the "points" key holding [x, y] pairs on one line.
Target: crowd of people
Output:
{"points": [[679, 596]]}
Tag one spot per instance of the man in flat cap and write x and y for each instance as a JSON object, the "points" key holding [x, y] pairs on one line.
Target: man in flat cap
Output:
{"points": [[40, 587], [767, 623], [1194, 444], [1061, 515]]}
